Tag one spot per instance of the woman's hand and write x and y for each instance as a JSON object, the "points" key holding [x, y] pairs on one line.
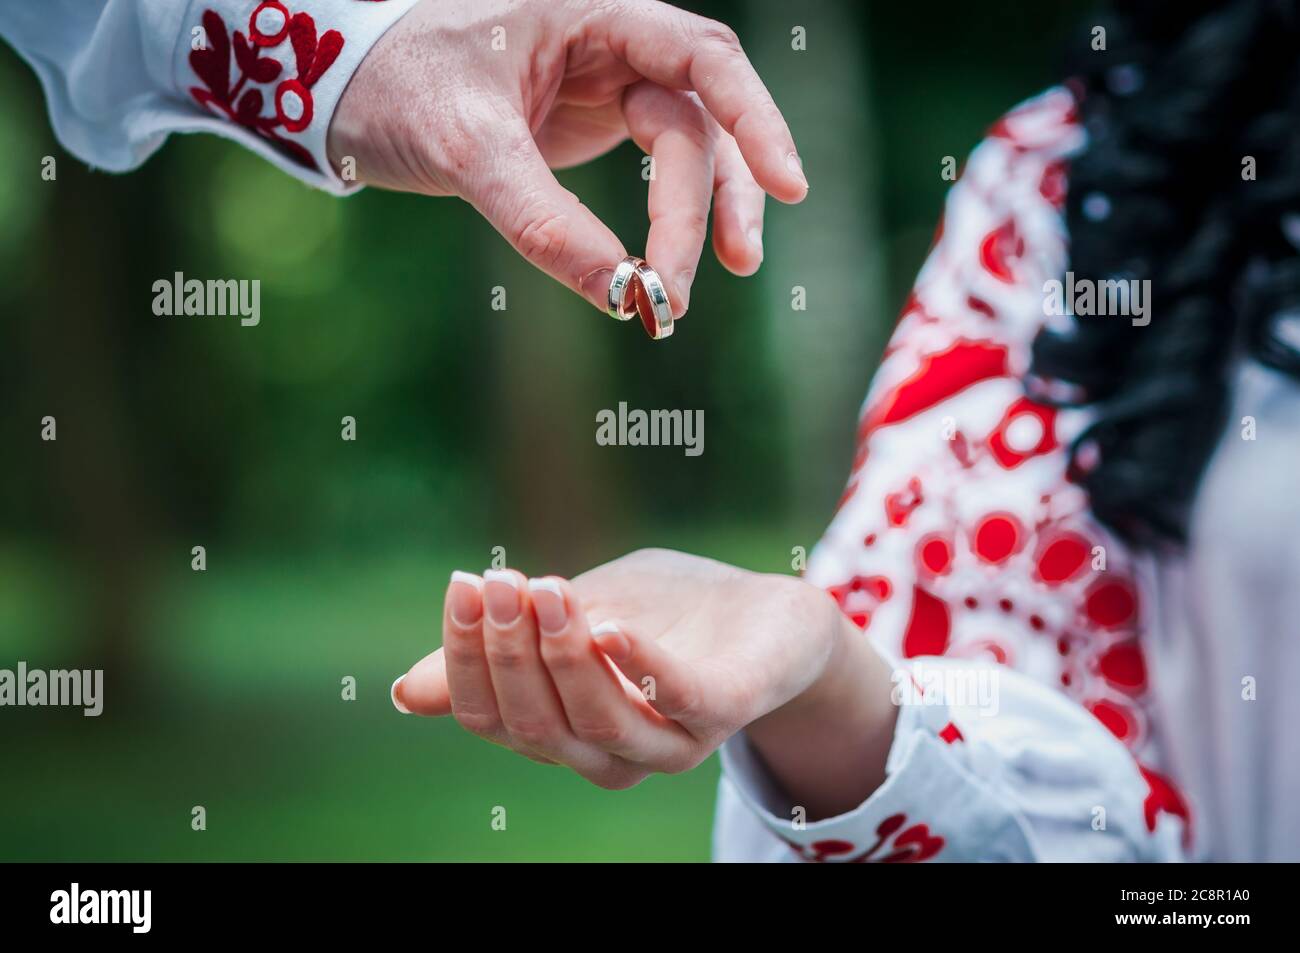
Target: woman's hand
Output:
{"points": [[482, 100], [648, 663]]}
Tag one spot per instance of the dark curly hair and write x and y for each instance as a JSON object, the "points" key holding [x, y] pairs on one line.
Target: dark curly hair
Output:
{"points": [[1180, 98]]}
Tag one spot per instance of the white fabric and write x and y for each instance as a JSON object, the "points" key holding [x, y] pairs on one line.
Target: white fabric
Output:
{"points": [[1038, 777], [117, 74]]}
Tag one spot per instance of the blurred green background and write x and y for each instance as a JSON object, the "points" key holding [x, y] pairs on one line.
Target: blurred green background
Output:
{"points": [[475, 429]]}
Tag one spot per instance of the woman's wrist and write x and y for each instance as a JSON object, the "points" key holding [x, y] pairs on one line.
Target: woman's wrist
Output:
{"points": [[827, 746]]}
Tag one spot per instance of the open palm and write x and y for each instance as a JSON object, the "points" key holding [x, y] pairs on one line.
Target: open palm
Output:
{"points": [[644, 664]]}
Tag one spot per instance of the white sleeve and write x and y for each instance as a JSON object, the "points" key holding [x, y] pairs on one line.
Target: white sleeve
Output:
{"points": [[1019, 773], [1027, 729], [121, 75]]}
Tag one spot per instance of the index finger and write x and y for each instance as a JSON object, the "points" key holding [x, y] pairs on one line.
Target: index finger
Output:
{"points": [[685, 51]]}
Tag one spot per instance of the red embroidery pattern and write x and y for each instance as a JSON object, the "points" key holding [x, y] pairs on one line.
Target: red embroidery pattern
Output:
{"points": [[261, 60], [908, 845], [969, 475]]}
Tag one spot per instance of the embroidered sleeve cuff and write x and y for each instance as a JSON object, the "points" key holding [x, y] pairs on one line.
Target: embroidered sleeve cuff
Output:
{"points": [[930, 807], [272, 72]]}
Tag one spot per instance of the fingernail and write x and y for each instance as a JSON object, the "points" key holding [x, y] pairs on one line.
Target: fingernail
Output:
{"points": [[595, 287], [612, 642], [796, 166], [501, 596], [548, 602], [682, 284], [397, 701], [465, 606], [755, 236]]}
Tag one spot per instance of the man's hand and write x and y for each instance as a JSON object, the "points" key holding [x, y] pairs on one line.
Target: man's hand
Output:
{"points": [[648, 663], [483, 99]]}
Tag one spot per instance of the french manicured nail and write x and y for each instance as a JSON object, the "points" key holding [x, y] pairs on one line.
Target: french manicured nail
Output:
{"points": [[501, 596], [395, 694], [548, 603], [611, 641], [595, 287], [796, 166], [464, 598]]}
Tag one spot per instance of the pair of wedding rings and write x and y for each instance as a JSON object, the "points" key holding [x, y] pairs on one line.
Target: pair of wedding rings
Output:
{"points": [[637, 290]]}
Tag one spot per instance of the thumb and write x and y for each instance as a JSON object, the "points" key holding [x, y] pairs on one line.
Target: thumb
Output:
{"points": [[546, 223], [423, 690], [666, 681]]}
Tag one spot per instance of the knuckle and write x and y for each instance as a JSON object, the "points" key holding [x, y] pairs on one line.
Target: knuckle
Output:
{"points": [[544, 239], [757, 119], [619, 778], [481, 723], [531, 732], [461, 649], [697, 125], [681, 763], [695, 220], [600, 733], [688, 705], [564, 657], [507, 655], [649, 554], [719, 34]]}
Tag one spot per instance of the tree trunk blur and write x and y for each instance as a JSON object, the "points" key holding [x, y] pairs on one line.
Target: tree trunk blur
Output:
{"points": [[829, 246]]}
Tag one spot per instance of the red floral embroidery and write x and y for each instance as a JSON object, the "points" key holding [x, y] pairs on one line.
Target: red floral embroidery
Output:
{"points": [[939, 377], [861, 595], [951, 734], [1163, 796], [269, 23], [973, 481], [243, 101], [909, 846], [928, 627], [999, 248]]}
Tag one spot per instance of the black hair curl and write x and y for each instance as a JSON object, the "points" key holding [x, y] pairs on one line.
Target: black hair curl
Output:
{"points": [[1182, 96]]}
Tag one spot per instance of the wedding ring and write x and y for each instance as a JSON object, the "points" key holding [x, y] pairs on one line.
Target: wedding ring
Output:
{"points": [[620, 305], [652, 302]]}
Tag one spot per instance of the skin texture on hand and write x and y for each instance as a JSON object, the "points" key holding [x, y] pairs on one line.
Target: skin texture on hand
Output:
{"points": [[438, 107], [648, 663]]}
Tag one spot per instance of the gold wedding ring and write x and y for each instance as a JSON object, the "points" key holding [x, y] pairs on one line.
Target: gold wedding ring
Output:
{"points": [[620, 306], [652, 303], [637, 289]]}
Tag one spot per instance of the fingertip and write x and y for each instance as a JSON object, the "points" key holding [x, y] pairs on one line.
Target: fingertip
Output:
{"points": [[395, 693], [740, 255], [423, 689], [680, 297], [465, 599], [785, 183], [550, 604], [595, 287], [777, 171], [611, 640], [503, 595], [795, 167], [788, 194]]}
